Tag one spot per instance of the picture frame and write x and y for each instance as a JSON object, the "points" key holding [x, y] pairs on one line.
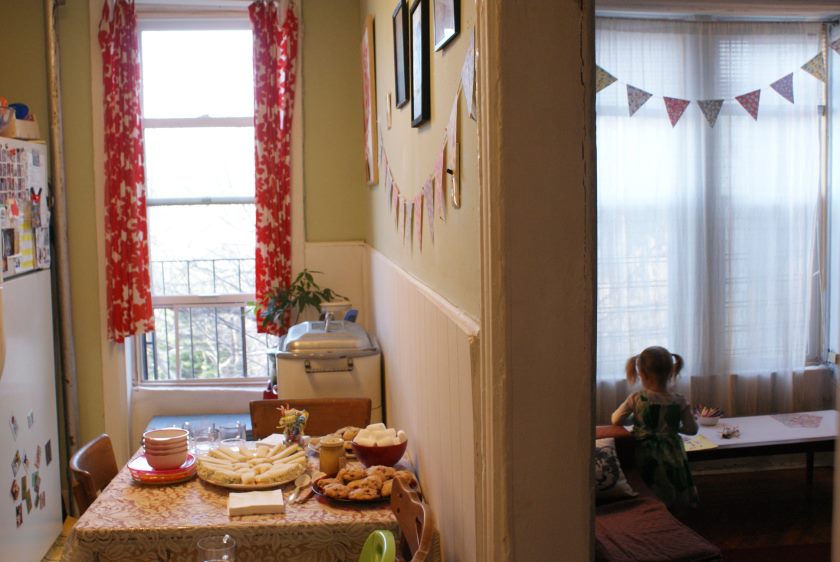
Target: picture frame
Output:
{"points": [[447, 22], [420, 97], [402, 84], [369, 94]]}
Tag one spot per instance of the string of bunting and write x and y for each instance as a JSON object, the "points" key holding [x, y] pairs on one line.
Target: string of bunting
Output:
{"points": [[431, 198], [675, 107]]}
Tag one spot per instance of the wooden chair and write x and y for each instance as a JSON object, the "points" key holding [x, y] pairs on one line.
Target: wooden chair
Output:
{"points": [[93, 467], [417, 524], [325, 414]]}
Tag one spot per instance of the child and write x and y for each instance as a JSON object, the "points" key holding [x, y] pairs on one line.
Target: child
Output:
{"points": [[658, 417]]}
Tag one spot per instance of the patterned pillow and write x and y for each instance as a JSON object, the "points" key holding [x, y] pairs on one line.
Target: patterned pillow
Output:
{"points": [[610, 483]]}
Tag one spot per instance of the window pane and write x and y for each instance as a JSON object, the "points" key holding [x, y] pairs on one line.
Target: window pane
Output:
{"points": [[200, 162], [192, 73], [202, 249]]}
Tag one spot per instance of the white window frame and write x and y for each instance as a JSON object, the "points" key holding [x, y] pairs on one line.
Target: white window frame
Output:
{"points": [[208, 21]]}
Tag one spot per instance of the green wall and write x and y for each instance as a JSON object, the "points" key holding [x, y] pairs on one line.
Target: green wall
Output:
{"points": [[335, 192], [450, 265]]}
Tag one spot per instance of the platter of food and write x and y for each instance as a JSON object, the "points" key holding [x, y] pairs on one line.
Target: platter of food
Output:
{"points": [[355, 484], [346, 433], [259, 468]]}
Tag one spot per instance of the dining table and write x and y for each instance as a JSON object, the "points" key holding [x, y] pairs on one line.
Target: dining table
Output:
{"points": [[137, 522]]}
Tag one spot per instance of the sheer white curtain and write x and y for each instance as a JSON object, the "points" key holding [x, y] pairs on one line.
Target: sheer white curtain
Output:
{"points": [[707, 236]]}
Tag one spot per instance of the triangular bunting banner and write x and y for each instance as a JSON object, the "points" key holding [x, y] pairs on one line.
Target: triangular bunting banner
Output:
{"points": [[675, 107], [784, 87], [429, 207], [750, 102], [636, 98], [602, 79], [406, 210], [395, 204], [816, 66], [440, 186], [711, 110], [417, 209], [836, 45]]}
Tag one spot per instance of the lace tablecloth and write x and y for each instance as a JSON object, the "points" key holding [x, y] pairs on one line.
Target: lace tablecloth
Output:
{"points": [[130, 522]]}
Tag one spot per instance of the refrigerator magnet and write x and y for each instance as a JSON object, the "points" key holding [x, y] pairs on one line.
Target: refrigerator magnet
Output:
{"points": [[48, 452], [38, 456], [15, 490], [19, 514], [37, 501], [13, 424], [43, 496], [30, 419], [16, 463], [26, 462], [28, 498]]}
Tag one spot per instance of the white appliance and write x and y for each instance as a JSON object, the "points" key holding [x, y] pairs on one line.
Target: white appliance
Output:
{"points": [[330, 359], [29, 448]]}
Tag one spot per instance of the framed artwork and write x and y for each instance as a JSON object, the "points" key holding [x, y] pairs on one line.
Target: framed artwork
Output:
{"points": [[402, 83], [420, 102], [447, 21], [369, 94]]}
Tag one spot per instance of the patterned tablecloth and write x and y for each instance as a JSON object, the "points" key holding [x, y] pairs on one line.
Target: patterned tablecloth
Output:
{"points": [[132, 522]]}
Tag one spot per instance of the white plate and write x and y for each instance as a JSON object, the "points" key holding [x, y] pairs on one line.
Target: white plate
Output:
{"points": [[266, 486]]}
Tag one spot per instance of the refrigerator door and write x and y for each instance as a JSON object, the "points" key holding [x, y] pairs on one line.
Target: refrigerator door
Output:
{"points": [[29, 426]]}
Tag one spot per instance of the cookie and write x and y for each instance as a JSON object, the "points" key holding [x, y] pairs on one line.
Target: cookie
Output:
{"points": [[350, 433], [406, 477], [352, 472], [363, 494], [338, 491], [324, 482], [385, 472], [385, 492]]}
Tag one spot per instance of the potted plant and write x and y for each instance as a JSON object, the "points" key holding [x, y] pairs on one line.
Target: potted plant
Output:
{"points": [[288, 303]]}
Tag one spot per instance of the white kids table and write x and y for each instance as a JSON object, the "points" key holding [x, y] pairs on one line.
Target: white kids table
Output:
{"points": [[764, 435]]}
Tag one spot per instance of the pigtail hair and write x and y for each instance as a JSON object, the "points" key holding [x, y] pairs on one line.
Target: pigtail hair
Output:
{"points": [[678, 365], [630, 369]]}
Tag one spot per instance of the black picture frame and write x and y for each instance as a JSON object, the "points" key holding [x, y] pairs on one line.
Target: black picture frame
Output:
{"points": [[447, 22], [402, 84], [418, 18]]}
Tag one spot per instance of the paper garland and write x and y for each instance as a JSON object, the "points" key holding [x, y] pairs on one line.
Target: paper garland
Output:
{"points": [[784, 87], [675, 107]]}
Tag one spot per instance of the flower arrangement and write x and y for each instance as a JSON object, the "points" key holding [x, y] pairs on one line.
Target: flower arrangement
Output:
{"points": [[292, 423]]}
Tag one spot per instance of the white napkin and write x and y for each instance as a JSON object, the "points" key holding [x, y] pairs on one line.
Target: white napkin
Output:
{"points": [[272, 440], [256, 503]]}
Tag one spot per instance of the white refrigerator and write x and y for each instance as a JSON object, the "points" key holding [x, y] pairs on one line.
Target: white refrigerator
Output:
{"points": [[30, 511]]}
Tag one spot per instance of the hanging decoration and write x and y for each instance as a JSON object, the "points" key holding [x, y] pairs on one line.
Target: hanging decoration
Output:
{"points": [[675, 107], [784, 87], [440, 186], [468, 78], [711, 110], [429, 207], [749, 101], [417, 219], [636, 98], [816, 67]]}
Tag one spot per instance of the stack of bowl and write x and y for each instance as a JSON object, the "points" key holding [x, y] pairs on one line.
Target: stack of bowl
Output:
{"points": [[165, 449]]}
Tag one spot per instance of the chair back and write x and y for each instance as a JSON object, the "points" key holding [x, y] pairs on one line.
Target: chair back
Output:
{"points": [[417, 524], [379, 547], [93, 467], [325, 414]]}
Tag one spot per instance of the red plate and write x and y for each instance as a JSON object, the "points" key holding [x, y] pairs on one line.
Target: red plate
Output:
{"points": [[141, 471]]}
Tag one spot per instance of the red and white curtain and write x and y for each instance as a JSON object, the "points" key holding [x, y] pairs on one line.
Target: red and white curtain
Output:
{"points": [[126, 241], [275, 52]]}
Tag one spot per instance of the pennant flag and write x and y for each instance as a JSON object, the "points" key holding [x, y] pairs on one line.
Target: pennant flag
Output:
{"points": [[836, 45], [602, 79], [675, 107], [389, 186], [711, 110], [417, 207], [468, 78], [636, 98], [816, 66], [429, 206], [784, 87], [395, 205], [440, 186], [750, 102], [407, 213]]}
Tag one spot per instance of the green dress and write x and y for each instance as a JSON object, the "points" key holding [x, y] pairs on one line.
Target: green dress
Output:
{"points": [[660, 454]]}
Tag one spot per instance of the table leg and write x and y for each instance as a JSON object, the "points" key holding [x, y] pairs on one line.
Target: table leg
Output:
{"points": [[809, 466]]}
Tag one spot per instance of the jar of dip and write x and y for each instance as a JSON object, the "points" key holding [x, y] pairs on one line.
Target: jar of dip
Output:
{"points": [[331, 452]]}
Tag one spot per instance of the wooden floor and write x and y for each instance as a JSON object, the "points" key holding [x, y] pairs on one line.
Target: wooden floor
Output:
{"points": [[771, 515]]}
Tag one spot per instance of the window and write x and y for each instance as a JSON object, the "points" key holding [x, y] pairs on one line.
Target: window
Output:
{"points": [[708, 237], [197, 88]]}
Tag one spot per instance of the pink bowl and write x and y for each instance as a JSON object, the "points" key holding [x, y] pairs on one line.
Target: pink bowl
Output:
{"points": [[167, 461], [388, 455]]}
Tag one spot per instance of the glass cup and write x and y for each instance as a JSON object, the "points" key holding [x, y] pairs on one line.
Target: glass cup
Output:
{"points": [[221, 547]]}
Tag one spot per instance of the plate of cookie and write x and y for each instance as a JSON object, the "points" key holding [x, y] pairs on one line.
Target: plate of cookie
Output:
{"points": [[355, 484]]}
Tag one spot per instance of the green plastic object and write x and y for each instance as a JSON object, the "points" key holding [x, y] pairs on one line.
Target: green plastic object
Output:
{"points": [[379, 547]]}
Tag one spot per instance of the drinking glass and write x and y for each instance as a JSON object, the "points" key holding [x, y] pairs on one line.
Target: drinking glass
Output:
{"points": [[221, 547]]}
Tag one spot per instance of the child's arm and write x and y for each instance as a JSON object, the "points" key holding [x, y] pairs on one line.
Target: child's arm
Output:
{"points": [[623, 413], [688, 425]]}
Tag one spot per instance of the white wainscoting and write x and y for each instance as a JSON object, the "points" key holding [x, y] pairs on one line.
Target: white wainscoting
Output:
{"points": [[430, 355]]}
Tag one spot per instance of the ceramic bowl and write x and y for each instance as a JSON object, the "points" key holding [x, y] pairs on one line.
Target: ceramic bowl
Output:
{"points": [[166, 436], [166, 461], [165, 449], [709, 421], [388, 455]]}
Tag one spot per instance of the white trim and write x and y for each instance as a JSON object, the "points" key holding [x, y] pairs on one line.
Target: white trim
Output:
{"points": [[172, 201], [206, 121], [201, 300], [164, 21]]}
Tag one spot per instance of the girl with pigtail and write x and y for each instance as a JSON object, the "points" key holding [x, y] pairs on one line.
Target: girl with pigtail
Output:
{"points": [[658, 417]]}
